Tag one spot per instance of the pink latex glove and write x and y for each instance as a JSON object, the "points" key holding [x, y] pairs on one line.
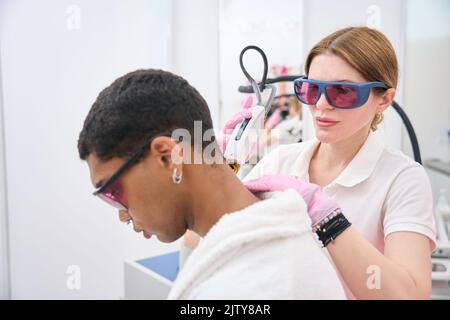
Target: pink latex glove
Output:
{"points": [[241, 115], [318, 203]]}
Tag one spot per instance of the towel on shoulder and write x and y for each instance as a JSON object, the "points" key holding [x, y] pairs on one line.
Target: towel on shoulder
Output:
{"points": [[264, 251]]}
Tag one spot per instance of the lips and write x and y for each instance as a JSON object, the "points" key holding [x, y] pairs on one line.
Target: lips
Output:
{"points": [[325, 122], [144, 233]]}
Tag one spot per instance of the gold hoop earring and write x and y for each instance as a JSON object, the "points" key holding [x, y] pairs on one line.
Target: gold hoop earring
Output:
{"points": [[379, 116]]}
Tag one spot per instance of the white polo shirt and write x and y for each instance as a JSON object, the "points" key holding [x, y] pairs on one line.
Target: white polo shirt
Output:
{"points": [[381, 191]]}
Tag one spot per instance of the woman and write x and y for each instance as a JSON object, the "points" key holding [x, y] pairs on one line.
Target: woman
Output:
{"points": [[385, 253]]}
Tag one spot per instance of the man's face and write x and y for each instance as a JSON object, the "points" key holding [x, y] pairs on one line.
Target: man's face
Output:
{"points": [[154, 202]]}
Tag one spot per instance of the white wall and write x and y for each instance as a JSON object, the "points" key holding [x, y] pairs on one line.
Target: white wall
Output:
{"points": [[195, 55], [55, 59], [4, 246], [427, 65]]}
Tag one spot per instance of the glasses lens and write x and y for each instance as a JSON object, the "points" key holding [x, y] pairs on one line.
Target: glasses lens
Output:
{"points": [[113, 196], [342, 96], [306, 92]]}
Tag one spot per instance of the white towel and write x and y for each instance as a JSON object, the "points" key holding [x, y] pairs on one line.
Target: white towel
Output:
{"points": [[265, 251]]}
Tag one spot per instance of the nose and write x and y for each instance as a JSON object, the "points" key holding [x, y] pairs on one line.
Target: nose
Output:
{"points": [[124, 216], [322, 103]]}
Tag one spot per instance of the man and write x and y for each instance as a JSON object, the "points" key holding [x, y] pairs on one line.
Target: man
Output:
{"points": [[253, 247]]}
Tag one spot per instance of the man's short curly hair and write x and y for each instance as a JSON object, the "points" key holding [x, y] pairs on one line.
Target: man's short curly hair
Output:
{"points": [[137, 106]]}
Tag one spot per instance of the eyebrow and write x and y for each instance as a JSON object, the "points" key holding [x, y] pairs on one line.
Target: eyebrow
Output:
{"points": [[343, 80]]}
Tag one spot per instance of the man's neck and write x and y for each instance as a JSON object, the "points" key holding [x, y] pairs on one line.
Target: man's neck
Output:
{"points": [[218, 195]]}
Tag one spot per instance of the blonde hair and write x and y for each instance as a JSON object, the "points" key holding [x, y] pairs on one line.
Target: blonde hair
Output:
{"points": [[366, 50]]}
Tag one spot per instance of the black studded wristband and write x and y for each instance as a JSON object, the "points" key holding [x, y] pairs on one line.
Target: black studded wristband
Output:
{"points": [[331, 229]]}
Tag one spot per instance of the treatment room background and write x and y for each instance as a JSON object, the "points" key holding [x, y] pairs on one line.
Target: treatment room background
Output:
{"points": [[56, 55]]}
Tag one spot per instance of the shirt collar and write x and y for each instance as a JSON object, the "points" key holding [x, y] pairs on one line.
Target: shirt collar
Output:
{"points": [[363, 164], [358, 170]]}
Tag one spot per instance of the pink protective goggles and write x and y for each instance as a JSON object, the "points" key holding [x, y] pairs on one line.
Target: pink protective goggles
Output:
{"points": [[113, 195], [112, 191]]}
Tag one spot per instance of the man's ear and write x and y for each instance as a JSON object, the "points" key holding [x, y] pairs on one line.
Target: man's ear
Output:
{"points": [[386, 99], [167, 152]]}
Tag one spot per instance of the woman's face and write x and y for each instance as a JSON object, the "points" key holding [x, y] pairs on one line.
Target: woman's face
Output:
{"points": [[339, 124]]}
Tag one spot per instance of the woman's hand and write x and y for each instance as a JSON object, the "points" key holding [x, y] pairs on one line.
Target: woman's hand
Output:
{"points": [[318, 203], [237, 118]]}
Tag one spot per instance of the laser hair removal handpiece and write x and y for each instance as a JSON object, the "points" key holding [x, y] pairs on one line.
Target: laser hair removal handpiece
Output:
{"points": [[244, 140]]}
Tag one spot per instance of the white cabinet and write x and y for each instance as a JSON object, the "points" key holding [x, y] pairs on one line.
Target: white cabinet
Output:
{"points": [[151, 278]]}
